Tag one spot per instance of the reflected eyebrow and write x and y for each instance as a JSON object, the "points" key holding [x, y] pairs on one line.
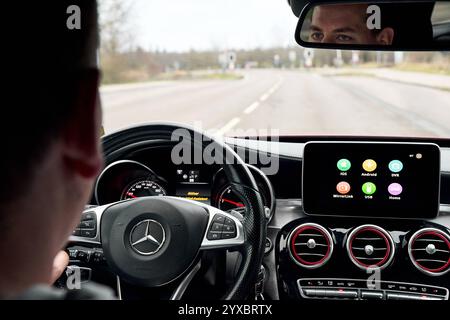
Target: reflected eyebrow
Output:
{"points": [[315, 28], [343, 30]]}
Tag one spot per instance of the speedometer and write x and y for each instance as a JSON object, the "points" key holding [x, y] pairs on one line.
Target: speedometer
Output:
{"points": [[143, 188]]}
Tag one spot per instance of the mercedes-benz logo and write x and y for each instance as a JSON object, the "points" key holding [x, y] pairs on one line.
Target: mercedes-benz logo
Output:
{"points": [[147, 237]]}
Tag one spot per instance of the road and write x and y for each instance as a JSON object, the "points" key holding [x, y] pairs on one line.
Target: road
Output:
{"points": [[284, 102]]}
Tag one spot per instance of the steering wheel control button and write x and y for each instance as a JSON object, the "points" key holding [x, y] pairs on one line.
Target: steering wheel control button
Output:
{"points": [[87, 227], [369, 188], [343, 187], [214, 235], [344, 165], [221, 228], [229, 228], [216, 226], [369, 165], [88, 216], [219, 218], [88, 233], [395, 166], [87, 224]]}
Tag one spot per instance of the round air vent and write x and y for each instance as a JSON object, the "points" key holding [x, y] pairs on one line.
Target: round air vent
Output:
{"points": [[429, 251], [310, 245], [370, 246]]}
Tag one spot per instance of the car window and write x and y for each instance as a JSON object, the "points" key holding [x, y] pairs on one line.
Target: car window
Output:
{"points": [[233, 67]]}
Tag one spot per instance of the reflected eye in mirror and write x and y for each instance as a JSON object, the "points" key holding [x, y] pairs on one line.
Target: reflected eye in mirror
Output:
{"points": [[396, 25]]}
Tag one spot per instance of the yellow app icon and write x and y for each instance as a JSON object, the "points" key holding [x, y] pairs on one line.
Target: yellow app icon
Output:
{"points": [[369, 165]]}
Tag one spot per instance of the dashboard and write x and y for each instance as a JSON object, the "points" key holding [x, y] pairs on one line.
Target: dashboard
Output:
{"points": [[363, 239]]}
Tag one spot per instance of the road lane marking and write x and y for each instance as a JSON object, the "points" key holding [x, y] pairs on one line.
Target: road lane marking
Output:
{"points": [[272, 90], [252, 107], [235, 121], [264, 97], [230, 125]]}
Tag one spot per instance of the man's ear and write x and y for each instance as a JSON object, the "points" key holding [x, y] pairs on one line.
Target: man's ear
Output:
{"points": [[81, 143], [386, 36]]}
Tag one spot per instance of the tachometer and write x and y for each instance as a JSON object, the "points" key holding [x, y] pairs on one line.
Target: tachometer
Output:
{"points": [[229, 200], [143, 188]]}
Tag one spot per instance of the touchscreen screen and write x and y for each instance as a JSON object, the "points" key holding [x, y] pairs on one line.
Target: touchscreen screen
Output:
{"points": [[371, 179]]}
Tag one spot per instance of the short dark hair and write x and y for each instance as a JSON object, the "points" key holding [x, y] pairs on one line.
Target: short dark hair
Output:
{"points": [[45, 57]]}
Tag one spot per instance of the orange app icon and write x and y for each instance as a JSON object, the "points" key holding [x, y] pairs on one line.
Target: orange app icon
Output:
{"points": [[343, 187]]}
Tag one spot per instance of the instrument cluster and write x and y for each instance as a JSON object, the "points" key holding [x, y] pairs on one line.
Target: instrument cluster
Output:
{"points": [[131, 179]]}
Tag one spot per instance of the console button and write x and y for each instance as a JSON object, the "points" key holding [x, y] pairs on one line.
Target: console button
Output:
{"points": [[83, 256], [72, 253], [309, 292], [372, 295], [321, 293], [405, 296], [98, 257], [268, 246], [341, 293]]}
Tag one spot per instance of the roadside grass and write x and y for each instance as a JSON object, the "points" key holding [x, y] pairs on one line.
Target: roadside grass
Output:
{"points": [[441, 69], [197, 75], [177, 76]]}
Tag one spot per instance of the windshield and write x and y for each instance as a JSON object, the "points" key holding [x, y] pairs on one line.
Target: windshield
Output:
{"points": [[233, 67]]}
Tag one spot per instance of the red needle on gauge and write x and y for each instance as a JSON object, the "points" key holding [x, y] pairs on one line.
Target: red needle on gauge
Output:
{"points": [[237, 204], [131, 195]]}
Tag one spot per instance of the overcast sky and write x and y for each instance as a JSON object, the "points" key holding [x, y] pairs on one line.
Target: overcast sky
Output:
{"points": [[181, 25]]}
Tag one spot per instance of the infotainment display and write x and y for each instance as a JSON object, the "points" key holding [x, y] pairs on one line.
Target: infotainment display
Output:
{"points": [[371, 179]]}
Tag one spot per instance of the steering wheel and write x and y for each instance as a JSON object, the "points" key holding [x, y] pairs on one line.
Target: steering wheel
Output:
{"points": [[156, 241]]}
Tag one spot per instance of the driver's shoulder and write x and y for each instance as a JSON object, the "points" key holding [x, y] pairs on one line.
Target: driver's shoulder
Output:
{"points": [[88, 291]]}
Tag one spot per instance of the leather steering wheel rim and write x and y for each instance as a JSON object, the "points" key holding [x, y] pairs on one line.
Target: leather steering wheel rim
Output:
{"points": [[237, 174]]}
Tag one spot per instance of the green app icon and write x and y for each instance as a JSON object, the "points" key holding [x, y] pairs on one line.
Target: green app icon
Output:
{"points": [[344, 165], [369, 188]]}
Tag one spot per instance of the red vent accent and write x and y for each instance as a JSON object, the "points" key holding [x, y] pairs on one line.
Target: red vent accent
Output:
{"points": [[429, 250], [370, 246], [310, 245]]}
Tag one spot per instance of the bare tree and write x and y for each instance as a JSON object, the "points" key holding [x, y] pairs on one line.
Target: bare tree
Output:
{"points": [[115, 25]]}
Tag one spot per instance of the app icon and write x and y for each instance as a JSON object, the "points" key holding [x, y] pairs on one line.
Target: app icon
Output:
{"points": [[369, 188], [343, 187], [395, 189], [395, 166], [344, 165], [369, 165]]}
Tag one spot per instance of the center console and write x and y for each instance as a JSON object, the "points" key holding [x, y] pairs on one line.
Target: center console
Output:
{"points": [[367, 231]]}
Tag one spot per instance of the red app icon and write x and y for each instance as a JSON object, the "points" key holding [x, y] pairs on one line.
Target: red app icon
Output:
{"points": [[343, 187]]}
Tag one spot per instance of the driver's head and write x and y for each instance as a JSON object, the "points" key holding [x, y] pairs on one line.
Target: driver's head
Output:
{"points": [[51, 122], [346, 24]]}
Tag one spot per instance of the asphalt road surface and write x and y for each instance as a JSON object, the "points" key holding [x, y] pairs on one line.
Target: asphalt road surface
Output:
{"points": [[284, 102]]}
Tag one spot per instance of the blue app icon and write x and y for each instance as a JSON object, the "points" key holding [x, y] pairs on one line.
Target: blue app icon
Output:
{"points": [[395, 166]]}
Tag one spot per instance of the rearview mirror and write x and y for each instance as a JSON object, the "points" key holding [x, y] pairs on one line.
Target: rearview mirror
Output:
{"points": [[399, 26]]}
